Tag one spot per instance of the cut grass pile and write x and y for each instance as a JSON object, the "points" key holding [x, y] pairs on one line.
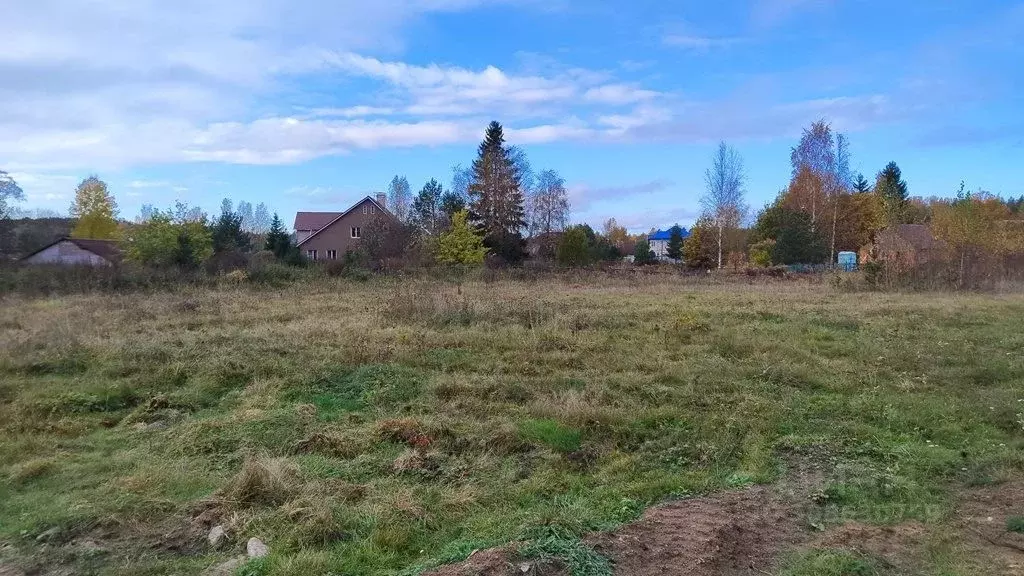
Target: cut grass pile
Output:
{"points": [[384, 428]]}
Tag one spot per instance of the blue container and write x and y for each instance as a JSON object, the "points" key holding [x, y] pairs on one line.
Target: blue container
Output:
{"points": [[847, 261]]}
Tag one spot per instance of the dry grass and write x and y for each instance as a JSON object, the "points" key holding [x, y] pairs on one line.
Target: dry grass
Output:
{"points": [[352, 426], [262, 481]]}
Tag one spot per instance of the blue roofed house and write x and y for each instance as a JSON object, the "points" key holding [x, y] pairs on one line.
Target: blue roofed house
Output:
{"points": [[659, 241]]}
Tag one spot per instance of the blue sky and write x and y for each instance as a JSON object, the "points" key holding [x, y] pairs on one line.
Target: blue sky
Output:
{"points": [[311, 104]]}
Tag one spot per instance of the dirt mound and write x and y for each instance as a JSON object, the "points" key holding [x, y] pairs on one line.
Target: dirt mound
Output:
{"points": [[739, 532]]}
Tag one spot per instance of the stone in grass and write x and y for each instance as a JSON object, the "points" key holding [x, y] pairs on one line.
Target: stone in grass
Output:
{"points": [[255, 548], [227, 568], [217, 536], [48, 535]]}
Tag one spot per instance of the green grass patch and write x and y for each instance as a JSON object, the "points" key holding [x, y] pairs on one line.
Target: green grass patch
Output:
{"points": [[1015, 524], [552, 434], [555, 543], [832, 562]]}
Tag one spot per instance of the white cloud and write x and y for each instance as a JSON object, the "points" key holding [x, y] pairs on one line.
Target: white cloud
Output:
{"points": [[352, 112], [583, 196], [644, 220], [619, 94], [436, 90], [199, 81], [141, 184], [640, 116], [108, 83], [49, 190]]}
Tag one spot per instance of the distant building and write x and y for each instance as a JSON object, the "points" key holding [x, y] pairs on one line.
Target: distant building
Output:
{"points": [[659, 241], [77, 252], [328, 235], [906, 245], [543, 245]]}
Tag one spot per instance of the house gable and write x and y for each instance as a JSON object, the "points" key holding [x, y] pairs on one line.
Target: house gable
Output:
{"points": [[76, 252], [344, 232]]}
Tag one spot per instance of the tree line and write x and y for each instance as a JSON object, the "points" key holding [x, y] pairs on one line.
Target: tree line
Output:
{"points": [[826, 208], [499, 208]]}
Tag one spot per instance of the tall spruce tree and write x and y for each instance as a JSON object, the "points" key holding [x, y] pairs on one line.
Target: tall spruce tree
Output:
{"points": [[497, 205], [278, 241], [675, 243], [861, 184], [227, 231], [892, 189], [426, 208]]}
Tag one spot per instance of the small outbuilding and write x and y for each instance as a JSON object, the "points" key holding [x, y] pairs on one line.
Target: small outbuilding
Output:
{"points": [[77, 252], [847, 261]]}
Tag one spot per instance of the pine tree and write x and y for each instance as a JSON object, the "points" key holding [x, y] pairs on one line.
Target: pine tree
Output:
{"points": [[861, 184], [642, 254], [675, 243], [227, 231], [892, 189], [497, 206], [95, 210], [278, 241], [452, 202], [426, 207]]}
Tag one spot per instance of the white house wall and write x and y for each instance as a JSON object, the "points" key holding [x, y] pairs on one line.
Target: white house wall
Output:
{"points": [[66, 253]]}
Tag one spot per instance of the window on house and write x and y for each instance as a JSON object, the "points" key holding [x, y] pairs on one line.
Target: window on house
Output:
{"points": [[373, 209], [357, 232], [311, 254], [365, 209], [332, 254]]}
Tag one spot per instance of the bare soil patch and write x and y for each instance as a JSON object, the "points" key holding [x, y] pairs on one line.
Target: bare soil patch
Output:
{"points": [[748, 532], [739, 532], [982, 516]]}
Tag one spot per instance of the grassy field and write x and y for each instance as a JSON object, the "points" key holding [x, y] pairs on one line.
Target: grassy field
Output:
{"points": [[384, 428]]}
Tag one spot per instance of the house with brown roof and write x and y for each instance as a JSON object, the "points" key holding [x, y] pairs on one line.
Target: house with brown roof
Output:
{"points": [[77, 252], [328, 235]]}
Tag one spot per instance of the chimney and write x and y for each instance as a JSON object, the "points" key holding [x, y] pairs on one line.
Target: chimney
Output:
{"points": [[382, 199]]}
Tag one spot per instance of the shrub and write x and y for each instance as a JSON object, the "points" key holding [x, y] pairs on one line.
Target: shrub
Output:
{"points": [[226, 261], [761, 253], [270, 271], [573, 247], [1015, 524], [873, 274]]}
